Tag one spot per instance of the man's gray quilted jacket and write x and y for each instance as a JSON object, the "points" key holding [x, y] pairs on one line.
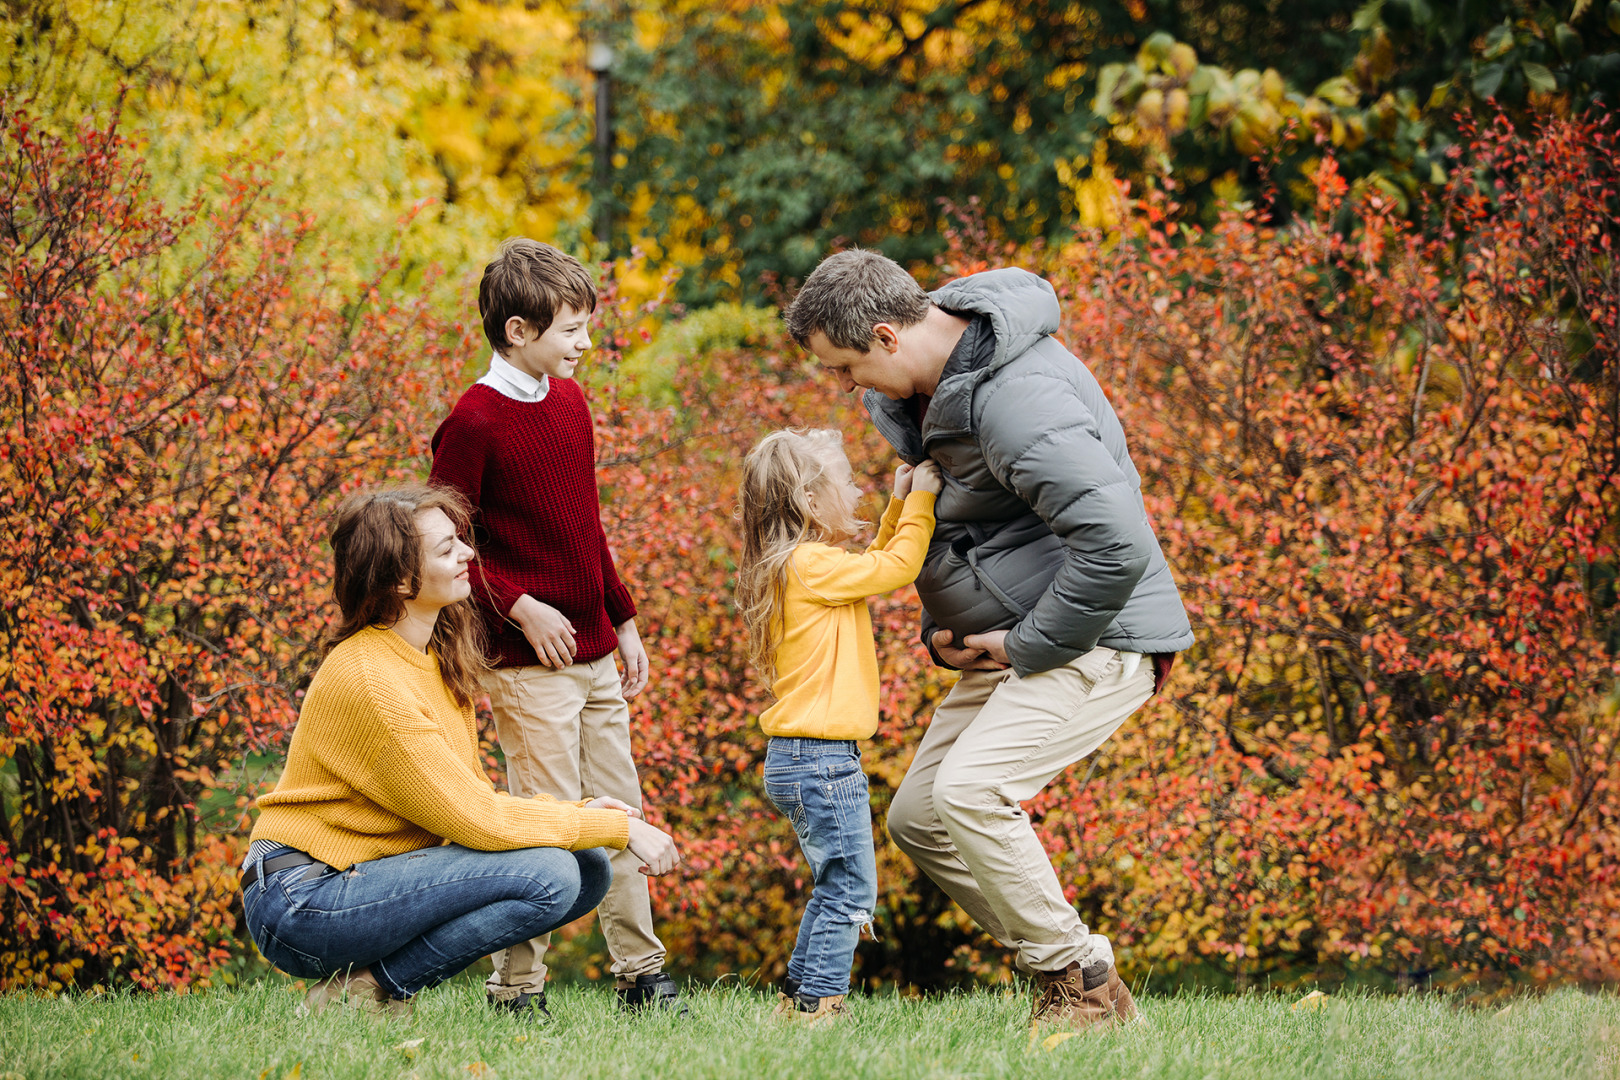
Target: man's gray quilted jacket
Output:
{"points": [[1042, 530]]}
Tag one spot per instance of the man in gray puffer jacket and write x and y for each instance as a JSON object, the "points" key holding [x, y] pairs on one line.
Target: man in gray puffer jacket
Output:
{"points": [[1044, 585]]}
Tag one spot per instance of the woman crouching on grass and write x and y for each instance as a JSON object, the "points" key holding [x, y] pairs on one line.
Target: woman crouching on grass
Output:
{"points": [[385, 861]]}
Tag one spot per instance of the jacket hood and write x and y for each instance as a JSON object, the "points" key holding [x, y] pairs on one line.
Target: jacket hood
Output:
{"points": [[1021, 306], [1020, 309]]}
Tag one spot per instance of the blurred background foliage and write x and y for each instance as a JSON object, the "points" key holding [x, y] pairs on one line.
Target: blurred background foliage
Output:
{"points": [[860, 122], [364, 112], [752, 138]]}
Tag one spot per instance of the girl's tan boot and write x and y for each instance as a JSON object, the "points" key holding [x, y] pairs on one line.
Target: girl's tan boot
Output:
{"points": [[827, 1010]]}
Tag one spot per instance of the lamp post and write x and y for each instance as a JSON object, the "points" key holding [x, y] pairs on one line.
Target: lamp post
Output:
{"points": [[599, 58]]}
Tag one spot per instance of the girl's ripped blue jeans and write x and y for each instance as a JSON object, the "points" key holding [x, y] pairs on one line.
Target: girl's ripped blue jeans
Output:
{"points": [[818, 785]]}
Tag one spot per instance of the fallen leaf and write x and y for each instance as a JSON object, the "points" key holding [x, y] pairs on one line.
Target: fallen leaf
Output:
{"points": [[478, 1068], [1313, 1000], [1052, 1042], [409, 1047], [1503, 1011]]}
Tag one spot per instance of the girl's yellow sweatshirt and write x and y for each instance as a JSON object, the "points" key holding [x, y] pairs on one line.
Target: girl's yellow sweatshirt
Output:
{"points": [[826, 663], [383, 761]]}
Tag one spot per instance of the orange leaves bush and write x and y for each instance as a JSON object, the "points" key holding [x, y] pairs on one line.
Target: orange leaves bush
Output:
{"points": [[181, 401], [1382, 463]]}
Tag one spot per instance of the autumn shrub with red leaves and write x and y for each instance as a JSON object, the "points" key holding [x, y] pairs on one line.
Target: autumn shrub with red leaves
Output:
{"points": [[181, 402], [1382, 465]]}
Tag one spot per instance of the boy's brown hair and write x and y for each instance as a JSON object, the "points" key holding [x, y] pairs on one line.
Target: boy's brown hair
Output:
{"points": [[532, 281]]}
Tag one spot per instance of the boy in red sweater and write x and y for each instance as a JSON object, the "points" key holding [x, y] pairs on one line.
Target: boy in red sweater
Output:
{"points": [[520, 446]]}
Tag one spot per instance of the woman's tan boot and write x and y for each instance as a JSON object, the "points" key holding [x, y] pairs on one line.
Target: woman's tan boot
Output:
{"points": [[356, 990]]}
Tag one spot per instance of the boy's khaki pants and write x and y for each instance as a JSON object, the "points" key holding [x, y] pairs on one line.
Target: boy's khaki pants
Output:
{"points": [[994, 742], [566, 732]]}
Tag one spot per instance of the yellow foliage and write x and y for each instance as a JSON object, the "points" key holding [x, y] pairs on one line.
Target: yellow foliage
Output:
{"points": [[457, 110]]}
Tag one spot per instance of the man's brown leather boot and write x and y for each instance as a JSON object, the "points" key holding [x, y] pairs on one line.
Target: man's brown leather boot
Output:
{"points": [[1074, 1000]]}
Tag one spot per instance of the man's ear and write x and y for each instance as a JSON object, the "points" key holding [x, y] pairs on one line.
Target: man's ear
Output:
{"points": [[517, 331], [886, 335]]}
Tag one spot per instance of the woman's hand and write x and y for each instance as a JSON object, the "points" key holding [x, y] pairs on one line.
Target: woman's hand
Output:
{"points": [[654, 847], [926, 477], [607, 802]]}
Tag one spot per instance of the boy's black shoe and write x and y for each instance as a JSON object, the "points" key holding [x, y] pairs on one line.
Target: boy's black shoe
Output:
{"points": [[527, 1007], [657, 991]]}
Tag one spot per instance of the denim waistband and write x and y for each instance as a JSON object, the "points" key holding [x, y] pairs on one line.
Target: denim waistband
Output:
{"points": [[260, 850], [796, 746]]}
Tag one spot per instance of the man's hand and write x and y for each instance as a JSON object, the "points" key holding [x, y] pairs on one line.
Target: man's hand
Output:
{"points": [[547, 629], [654, 847], [993, 645], [969, 658], [634, 655], [608, 802]]}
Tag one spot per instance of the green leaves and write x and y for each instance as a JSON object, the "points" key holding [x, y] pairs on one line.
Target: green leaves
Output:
{"points": [[1488, 79], [1539, 77]]}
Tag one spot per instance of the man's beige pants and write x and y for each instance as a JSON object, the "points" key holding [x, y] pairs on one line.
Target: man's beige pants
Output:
{"points": [[994, 742], [566, 732]]}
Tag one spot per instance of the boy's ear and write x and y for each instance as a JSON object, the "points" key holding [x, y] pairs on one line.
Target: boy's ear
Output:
{"points": [[517, 331]]}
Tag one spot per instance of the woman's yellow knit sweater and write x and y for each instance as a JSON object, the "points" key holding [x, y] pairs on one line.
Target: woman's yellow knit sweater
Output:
{"points": [[826, 663], [383, 761]]}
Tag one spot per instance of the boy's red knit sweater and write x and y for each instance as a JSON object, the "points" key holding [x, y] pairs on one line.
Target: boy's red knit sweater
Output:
{"points": [[529, 470]]}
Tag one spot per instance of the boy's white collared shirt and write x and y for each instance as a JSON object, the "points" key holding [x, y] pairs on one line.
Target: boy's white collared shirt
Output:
{"points": [[510, 382]]}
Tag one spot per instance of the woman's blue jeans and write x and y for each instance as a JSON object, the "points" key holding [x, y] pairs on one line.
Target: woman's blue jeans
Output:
{"points": [[818, 785], [419, 918]]}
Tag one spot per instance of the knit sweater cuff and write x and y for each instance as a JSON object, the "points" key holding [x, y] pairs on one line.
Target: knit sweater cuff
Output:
{"points": [[620, 605], [921, 502], [602, 828]]}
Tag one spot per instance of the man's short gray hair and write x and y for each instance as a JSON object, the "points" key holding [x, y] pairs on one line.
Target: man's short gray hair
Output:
{"points": [[851, 292]]}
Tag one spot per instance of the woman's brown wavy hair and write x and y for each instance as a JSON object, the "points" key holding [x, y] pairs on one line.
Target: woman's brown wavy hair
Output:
{"points": [[376, 548]]}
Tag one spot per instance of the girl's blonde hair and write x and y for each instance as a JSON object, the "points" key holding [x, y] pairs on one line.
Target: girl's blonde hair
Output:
{"points": [[779, 475]]}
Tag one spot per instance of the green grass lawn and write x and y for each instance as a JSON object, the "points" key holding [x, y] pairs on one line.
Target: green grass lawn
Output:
{"points": [[253, 1032]]}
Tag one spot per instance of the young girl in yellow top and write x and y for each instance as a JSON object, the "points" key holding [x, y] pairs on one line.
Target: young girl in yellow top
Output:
{"points": [[803, 598]]}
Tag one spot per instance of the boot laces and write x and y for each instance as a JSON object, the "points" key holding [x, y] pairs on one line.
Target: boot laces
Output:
{"points": [[1056, 995]]}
